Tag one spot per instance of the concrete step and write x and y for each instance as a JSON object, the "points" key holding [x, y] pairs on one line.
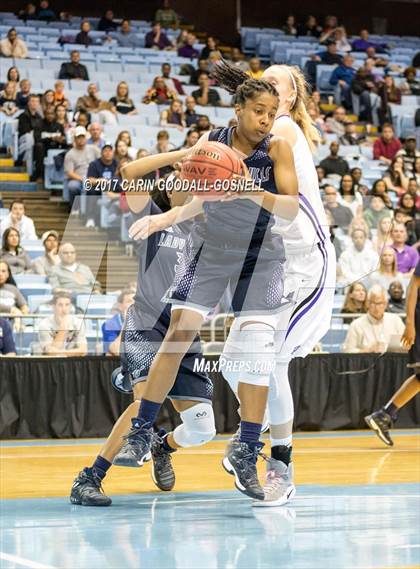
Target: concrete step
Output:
{"points": [[14, 176], [6, 162], [12, 186]]}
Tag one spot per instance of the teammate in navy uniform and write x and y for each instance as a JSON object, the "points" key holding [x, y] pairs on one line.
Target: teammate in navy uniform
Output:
{"points": [[229, 247], [145, 326], [383, 420]]}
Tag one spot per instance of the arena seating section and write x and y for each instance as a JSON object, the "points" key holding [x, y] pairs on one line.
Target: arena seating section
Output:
{"points": [[107, 65]]}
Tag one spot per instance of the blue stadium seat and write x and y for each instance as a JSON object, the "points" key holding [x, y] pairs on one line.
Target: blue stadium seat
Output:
{"points": [[35, 289], [35, 302], [323, 74]]}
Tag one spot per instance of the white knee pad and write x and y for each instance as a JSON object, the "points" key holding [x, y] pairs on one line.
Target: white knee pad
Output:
{"points": [[197, 426], [249, 352]]}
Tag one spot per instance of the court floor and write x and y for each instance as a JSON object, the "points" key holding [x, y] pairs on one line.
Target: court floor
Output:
{"points": [[357, 507]]}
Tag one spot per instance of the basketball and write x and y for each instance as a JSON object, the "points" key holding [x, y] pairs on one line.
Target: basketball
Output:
{"points": [[209, 169]]}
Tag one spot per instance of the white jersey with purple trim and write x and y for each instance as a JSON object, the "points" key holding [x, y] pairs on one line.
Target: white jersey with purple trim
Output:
{"points": [[300, 235]]}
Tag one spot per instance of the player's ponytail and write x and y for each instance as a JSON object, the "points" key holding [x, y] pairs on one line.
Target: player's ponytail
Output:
{"points": [[298, 110], [239, 84]]}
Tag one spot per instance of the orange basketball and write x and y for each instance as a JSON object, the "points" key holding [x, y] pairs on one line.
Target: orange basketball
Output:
{"points": [[209, 169]]}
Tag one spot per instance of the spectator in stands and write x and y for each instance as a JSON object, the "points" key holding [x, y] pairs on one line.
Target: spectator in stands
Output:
{"points": [[379, 60], [342, 78], [63, 119], [8, 101], [28, 13], [310, 28], [379, 189], [387, 271], [411, 85], [350, 196], [387, 145], [44, 265], [341, 214], [409, 154], [125, 136], [203, 124], [375, 211], [62, 333], [334, 164], [111, 328], [125, 37], [92, 103], [205, 95], [215, 58], [47, 100], [321, 176], [171, 82], [166, 16], [163, 144], [416, 175], [211, 45], [389, 92], [395, 178], [7, 342], [407, 257], [74, 69], [396, 299], [156, 39], [363, 43], [358, 260], [203, 67], [49, 135], [237, 59], [12, 75], [28, 121], [188, 50], [13, 46], [159, 93], [329, 56], [191, 117], [364, 87], [407, 204], [255, 71], [71, 276], [100, 174], [12, 252], [121, 150], [191, 139], [336, 123], [373, 331], [11, 299], [59, 94], [83, 37], [383, 234], [181, 39], [106, 23], [290, 27], [96, 138], [318, 121], [350, 136], [341, 40], [23, 94], [356, 174], [122, 101], [330, 25], [173, 116], [45, 13], [355, 301], [17, 219], [76, 162]]}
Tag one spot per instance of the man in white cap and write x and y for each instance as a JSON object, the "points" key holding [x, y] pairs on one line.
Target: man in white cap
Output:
{"points": [[44, 265], [77, 161]]}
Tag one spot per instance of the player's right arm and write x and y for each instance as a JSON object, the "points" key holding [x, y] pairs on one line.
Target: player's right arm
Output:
{"points": [[409, 334]]}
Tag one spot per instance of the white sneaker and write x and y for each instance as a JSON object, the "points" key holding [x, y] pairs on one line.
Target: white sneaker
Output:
{"points": [[90, 223], [278, 487]]}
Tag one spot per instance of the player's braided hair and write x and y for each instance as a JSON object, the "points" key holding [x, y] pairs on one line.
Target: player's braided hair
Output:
{"points": [[239, 84]]}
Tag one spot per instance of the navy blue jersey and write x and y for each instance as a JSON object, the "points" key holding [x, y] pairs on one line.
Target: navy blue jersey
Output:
{"points": [[159, 257], [243, 218]]}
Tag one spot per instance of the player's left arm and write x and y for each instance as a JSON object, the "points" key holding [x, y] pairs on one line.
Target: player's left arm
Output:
{"points": [[409, 334]]}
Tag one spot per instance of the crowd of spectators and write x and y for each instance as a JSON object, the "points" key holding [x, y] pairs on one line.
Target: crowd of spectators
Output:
{"points": [[375, 226]]}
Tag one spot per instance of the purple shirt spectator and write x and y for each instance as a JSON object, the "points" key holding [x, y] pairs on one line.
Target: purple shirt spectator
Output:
{"points": [[407, 258], [157, 39], [188, 51], [363, 43]]}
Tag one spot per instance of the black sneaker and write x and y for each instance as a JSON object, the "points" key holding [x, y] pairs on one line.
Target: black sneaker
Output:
{"points": [[241, 461], [163, 474], [380, 421], [136, 451], [87, 490]]}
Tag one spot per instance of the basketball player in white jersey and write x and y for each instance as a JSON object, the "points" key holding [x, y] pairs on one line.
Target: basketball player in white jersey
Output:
{"points": [[310, 273]]}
